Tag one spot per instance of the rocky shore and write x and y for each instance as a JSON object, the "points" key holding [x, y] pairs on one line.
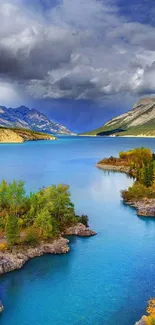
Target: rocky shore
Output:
{"points": [[79, 230], [114, 168], [10, 261], [141, 322], [144, 207]]}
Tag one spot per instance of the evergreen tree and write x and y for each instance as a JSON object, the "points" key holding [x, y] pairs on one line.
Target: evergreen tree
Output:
{"points": [[12, 230], [44, 223], [148, 173], [145, 175], [3, 195], [151, 172]]}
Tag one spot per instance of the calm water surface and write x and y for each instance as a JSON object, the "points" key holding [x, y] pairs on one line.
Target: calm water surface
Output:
{"points": [[104, 280]]}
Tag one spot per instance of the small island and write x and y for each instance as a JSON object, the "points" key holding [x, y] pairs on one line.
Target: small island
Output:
{"points": [[18, 135], [36, 224], [139, 163]]}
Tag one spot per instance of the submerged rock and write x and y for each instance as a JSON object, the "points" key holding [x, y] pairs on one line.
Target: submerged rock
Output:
{"points": [[1, 307], [79, 230]]}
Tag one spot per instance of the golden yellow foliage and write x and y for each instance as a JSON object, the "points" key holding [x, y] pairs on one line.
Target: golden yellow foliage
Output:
{"points": [[3, 247], [150, 319], [136, 156], [151, 307]]}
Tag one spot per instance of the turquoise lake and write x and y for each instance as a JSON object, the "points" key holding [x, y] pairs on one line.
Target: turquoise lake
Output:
{"points": [[104, 280]]}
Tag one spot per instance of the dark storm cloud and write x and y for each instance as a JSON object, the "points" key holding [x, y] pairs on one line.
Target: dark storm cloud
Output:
{"points": [[34, 52], [36, 63], [80, 49]]}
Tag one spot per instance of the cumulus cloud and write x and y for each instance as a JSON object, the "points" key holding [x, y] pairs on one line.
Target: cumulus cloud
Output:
{"points": [[79, 49], [143, 81]]}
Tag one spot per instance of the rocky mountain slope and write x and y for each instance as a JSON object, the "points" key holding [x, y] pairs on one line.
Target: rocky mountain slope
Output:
{"points": [[20, 135], [139, 121], [23, 117]]}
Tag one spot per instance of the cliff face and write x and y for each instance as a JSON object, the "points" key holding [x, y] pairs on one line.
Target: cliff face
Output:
{"points": [[20, 135], [140, 120]]}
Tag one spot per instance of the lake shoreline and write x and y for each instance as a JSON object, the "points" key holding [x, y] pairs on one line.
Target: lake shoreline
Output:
{"points": [[142, 321], [106, 167], [144, 207], [15, 259]]}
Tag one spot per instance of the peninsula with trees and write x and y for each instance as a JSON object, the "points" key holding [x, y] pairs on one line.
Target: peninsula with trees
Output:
{"points": [[35, 224], [139, 163]]}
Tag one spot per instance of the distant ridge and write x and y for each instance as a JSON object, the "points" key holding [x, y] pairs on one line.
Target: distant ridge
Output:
{"points": [[139, 121], [23, 117]]}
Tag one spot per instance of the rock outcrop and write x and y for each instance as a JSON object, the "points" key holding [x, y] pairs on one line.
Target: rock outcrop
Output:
{"points": [[10, 261], [79, 230], [141, 322], [144, 207]]}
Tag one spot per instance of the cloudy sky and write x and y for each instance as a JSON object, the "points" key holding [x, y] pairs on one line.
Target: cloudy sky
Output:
{"points": [[79, 61]]}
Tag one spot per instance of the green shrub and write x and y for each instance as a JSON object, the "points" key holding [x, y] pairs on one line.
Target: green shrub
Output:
{"points": [[83, 219], [12, 230], [137, 191], [31, 237], [2, 223]]}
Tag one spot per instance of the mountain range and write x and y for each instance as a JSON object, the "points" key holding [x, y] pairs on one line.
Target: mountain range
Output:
{"points": [[23, 117], [139, 121]]}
